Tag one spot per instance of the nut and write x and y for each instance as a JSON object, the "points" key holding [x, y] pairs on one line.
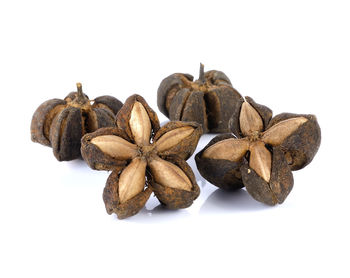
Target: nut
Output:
{"points": [[263, 154], [140, 124], [143, 158], [168, 174], [132, 180], [60, 124], [115, 146], [209, 101]]}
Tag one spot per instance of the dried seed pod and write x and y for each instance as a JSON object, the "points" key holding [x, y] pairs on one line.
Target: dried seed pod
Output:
{"points": [[132, 179], [170, 194], [102, 160], [276, 188], [263, 154], [114, 205], [264, 112], [168, 174], [177, 138], [60, 124], [123, 119], [144, 158], [302, 145], [223, 173], [209, 101]]}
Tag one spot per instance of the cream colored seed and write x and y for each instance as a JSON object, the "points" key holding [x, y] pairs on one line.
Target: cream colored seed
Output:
{"points": [[140, 124], [115, 146], [249, 120], [132, 179], [173, 137], [260, 160], [276, 134], [168, 174], [229, 149]]}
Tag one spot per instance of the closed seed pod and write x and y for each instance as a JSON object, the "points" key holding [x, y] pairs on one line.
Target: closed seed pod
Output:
{"points": [[60, 124], [210, 101]]}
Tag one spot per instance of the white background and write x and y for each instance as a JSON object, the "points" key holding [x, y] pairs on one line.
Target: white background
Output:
{"points": [[293, 56]]}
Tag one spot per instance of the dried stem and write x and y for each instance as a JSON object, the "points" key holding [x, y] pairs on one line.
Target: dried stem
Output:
{"points": [[80, 98], [201, 74], [80, 90]]}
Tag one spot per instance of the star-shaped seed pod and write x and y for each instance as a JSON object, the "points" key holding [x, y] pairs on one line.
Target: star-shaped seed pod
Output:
{"points": [[60, 123], [262, 152], [144, 158], [209, 101]]}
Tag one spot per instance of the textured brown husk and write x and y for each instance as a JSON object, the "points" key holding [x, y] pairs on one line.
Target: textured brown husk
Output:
{"points": [[108, 102], [65, 134], [125, 112], [217, 77], [105, 118], [229, 101], [157, 150], [194, 109], [94, 157], [281, 182], [177, 104], [180, 99], [172, 82], [39, 120], [300, 147], [293, 145], [174, 198], [187, 146], [277, 189], [264, 112], [111, 199], [222, 173], [59, 123], [72, 95]]}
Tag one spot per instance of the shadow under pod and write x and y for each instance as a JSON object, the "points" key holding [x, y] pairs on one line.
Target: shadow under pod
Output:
{"points": [[156, 212], [221, 201]]}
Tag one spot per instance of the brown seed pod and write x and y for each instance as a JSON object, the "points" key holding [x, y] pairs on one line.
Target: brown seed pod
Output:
{"points": [[263, 111], [209, 101], [144, 158], [301, 146], [112, 200], [262, 154], [277, 188], [60, 124], [172, 196], [221, 172]]}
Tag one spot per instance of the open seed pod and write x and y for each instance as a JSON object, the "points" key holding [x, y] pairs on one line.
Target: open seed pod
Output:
{"points": [[302, 145], [223, 173], [262, 153], [60, 124], [209, 101], [144, 158]]}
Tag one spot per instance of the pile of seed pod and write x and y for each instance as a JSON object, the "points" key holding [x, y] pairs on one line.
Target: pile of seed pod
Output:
{"points": [[255, 150]]}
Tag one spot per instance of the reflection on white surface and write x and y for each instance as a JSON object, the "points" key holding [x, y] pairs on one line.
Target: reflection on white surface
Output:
{"points": [[217, 201], [221, 201], [158, 214]]}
